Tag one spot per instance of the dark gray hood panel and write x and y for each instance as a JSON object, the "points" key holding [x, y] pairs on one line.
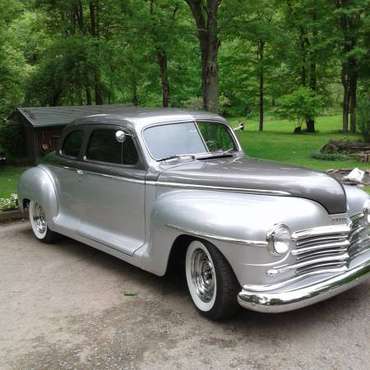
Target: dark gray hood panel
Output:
{"points": [[257, 174]]}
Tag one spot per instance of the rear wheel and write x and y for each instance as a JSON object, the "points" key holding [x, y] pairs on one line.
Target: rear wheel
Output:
{"points": [[39, 223], [212, 284]]}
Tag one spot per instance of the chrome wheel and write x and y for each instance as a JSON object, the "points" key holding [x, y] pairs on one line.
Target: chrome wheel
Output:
{"points": [[201, 276], [38, 220]]}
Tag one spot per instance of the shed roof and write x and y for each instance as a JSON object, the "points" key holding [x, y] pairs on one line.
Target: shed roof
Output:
{"points": [[60, 116]]}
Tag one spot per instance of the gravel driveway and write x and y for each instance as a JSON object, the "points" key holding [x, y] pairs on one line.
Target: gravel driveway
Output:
{"points": [[68, 306]]}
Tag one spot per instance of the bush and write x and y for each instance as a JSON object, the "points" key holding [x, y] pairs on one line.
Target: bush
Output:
{"points": [[363, 114], [329, 156], [12, 140], [301, 105], [7, 204]]}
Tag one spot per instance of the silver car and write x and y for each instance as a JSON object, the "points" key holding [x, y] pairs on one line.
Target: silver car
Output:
{"points": [[163, 188]]}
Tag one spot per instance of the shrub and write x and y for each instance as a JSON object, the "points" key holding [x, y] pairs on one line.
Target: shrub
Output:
{"points": [[12, 140], [329, 156], [299, 106], [9, 203], [363, 114]]}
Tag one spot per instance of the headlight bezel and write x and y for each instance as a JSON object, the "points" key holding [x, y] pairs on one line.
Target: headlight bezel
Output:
{"points": [[279, 240]]}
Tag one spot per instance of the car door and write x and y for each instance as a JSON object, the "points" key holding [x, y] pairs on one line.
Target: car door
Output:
{"points": [[67, 179], [113, 190]]}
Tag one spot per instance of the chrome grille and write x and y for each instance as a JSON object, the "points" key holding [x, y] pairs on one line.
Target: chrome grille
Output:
{"points": [[327, 248]]}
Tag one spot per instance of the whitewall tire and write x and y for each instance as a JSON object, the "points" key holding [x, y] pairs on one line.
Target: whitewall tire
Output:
{"points": [[39, 223], [211, 282]]}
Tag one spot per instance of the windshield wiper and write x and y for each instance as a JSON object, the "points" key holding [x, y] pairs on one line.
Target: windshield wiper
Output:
{"points": [[178, 156], [218, 154]]}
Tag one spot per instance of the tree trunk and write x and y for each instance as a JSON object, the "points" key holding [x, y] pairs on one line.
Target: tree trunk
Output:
{"points": [[94, 30], [302, 44], [99, 100], [135, 97], [310, 121], [261, 91], [163, 70], [88, 96], [205, 17], [353, 102], [345, 108]]}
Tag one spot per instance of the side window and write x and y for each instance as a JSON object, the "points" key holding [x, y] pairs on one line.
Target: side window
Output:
{"points": [[72, 144], [104, 147]]}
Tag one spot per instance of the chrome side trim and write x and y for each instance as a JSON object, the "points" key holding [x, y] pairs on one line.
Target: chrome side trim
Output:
{"points": [[105, 244], [289, 300], [188, 186], [121, 178], [220, 188], [254, 243]]}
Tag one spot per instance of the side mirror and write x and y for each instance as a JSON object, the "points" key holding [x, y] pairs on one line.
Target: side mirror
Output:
{"points": [[240, 127], [120, 136]]}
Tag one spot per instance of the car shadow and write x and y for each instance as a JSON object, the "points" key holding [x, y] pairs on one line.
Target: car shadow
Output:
{"points": [[341, 308]]}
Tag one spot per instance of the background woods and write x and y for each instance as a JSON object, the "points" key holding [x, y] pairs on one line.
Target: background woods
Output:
{"points": [[297, 58]]}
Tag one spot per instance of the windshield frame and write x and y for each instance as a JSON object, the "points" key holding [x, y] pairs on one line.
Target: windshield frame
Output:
{"points": [[235, 141]]}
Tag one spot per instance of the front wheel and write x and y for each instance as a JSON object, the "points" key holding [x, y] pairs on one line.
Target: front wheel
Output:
{"points": [[212, 284], [39, 223]]}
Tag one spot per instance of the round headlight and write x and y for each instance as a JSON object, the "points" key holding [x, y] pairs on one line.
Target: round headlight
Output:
{"points": [[279, 239]]}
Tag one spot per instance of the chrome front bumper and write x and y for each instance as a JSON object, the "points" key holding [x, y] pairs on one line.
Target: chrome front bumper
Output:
{"points": [[289, 299]]}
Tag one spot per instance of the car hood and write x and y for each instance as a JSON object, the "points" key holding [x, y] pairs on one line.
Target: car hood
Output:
{"points": [[260, 175]]}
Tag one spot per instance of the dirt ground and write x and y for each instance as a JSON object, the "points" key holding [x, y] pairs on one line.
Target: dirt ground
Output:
{"points": [[68, 306]]}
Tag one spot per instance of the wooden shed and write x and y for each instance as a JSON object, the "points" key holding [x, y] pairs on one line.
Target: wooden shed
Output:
{"points": [[42, 126]]}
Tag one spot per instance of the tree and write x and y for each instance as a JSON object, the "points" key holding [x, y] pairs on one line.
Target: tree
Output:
{"points": [[299, 106], [350, 16], [311, 58], [205, 14], [254, 23]]}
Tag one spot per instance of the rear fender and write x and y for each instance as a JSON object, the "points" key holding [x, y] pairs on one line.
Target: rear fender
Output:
{"points": [[37, 184]]}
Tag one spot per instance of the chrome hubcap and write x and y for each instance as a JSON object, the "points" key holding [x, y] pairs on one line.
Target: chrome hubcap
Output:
{"points": [[203, 275], [39, 219]]}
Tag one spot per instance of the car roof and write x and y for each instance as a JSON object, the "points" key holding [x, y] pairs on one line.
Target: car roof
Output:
{"points": [[142, 117]]}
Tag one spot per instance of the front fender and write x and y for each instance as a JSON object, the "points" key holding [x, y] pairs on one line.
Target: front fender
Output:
{"points": [[236, 223], [38, 184]]}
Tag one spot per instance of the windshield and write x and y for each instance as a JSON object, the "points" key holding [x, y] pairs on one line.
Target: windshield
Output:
{"points": [[177, 139]]}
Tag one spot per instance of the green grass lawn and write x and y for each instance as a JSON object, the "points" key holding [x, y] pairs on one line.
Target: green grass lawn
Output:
{"points": [[276, 143], [9, 176]]}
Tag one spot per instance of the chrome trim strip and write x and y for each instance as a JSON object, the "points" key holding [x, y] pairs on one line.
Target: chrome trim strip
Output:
{"points": [[221, 188], [288, 300], [105, 244], [320, 247], [125, 179], [342, 258], [188, 186], [321, 230], [254, 243]]}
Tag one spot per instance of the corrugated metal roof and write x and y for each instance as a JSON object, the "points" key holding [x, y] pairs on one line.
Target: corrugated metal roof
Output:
{"points": [[60, 116]]}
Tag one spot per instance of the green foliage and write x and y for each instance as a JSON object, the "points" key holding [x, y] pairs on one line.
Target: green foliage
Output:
{"points": [[72, 52], [299, 106], [12, 140], [9, 203], [364, 116], [329, 156]]}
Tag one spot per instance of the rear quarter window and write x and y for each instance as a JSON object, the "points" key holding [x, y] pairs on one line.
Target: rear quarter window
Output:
{"points": [[72, 144]]}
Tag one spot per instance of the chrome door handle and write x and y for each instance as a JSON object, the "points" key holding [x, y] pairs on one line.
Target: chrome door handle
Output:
{"points": [[80, 172]]}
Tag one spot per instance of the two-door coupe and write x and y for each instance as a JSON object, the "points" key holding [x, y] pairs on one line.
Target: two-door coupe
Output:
{"points": [[157, 187]]}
